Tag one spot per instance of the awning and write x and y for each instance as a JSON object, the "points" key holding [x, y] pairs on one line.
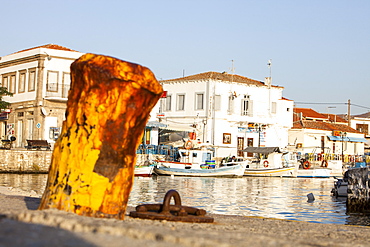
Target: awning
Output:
{"points": [[179, 127], [262, 150], [338, 138], [156, 124], [356, 139], [347, 139]]}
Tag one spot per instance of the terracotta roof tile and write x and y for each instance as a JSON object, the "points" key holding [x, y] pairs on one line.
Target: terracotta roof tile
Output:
{"points": [[49, 46], [364, 115], [334, 118], [309, 113], [218, 76], [309, 124]]}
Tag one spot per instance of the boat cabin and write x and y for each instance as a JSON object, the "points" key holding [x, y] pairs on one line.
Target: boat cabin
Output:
{"points": [[195, 157], [271, 157]]}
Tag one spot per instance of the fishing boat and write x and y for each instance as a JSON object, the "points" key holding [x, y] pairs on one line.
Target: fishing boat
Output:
{"points": [[309, 169], [224, 171], [340, 188], [143, 170], [268, 162], [197, 163]]}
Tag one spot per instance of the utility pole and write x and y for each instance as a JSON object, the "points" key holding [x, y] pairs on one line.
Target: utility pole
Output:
{"points": [[349, 113], [269, 64]]}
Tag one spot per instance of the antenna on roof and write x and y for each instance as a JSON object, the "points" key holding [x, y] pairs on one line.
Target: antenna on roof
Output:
{"points": [[232, 69], [269, 64]]}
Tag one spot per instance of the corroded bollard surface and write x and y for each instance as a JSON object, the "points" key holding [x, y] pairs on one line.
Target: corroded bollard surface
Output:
{"points": [[92, 167], [358, 200]]}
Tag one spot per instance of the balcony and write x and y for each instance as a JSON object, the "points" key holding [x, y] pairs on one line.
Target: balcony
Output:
{"points": [[57, 92]]}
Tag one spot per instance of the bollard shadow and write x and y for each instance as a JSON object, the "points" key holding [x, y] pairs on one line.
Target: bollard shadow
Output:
{"points": [[32, 203]]}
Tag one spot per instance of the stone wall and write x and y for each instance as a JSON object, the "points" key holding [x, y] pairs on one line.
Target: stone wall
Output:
{"points": [[33, 161], [358, 200], [25, 161]]}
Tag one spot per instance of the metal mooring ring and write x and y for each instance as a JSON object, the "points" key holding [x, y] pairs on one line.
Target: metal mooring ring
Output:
{"points": [[169, 212], [167, 199]]}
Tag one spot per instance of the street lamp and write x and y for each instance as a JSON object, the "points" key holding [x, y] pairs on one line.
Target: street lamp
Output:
{"points": [[259, 129], [343, 135]]}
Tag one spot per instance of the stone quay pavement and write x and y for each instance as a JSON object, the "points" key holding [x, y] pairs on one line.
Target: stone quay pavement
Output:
{"points": [[21, 224]]}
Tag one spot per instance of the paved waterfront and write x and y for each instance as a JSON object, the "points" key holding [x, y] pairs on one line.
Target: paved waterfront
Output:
{"points": [[22, 225]]}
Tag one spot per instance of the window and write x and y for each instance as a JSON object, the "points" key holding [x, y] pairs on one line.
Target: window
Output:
{"points": [[12, 84], [273, 107], [246, 106], [181, 102], [5, 81], [199, 101], [31, 80], [217, 102], [363, 128], [22, 81], [66, 84], [52, 83], [20, 114], [168, 103]]}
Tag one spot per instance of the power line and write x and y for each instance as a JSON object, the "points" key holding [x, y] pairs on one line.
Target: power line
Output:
{"points": [[360, 106], [315, 103]]}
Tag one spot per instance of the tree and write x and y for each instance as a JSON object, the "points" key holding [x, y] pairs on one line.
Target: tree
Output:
{"points": [[4, 92]]}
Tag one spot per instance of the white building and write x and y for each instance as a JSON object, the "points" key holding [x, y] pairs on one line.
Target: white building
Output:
{"points": [[315, 133], [228, 111], [361, 123], [39, 78]]}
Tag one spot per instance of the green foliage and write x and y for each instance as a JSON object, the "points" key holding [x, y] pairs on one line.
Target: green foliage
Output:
{"points": [[4, 92]]}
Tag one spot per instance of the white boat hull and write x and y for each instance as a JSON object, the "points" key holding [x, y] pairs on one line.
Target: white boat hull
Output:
{"points": [[314, 173], [143, 171], [226, 171], [340, 188], [271, 172]]}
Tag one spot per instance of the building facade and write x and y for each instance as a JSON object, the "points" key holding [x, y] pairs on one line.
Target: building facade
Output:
{"points": [[228, 111], [39, 79], [361, 123], [316, 133]]}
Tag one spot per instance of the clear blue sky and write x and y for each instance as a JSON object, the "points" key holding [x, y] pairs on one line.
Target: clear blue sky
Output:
{"points": [[320, 50]]}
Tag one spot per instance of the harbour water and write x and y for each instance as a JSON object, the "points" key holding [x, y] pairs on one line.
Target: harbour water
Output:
{"points": [[280, 198]]}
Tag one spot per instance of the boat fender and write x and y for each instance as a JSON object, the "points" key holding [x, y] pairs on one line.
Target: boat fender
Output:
{"points": [[266, 163], [324, 163], [319, 157], [306, 165], [189, 144]]}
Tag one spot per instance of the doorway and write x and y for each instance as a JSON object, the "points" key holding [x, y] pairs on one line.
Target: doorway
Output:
{"points": [[240, 146], [250, 144]]}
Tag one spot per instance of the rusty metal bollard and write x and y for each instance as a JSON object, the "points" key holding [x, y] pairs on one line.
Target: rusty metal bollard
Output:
{"points": [[169, 212], [92, 168]]}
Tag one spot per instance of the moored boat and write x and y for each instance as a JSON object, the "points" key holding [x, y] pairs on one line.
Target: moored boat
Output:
{"points": [[340, 188], [313, 170], [269, 162], [224, 171], [197, 163], [143, 171]]}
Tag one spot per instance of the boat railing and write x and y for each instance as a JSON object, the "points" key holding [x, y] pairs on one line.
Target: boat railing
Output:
{"points": [[166, 150], [346, 158]]}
